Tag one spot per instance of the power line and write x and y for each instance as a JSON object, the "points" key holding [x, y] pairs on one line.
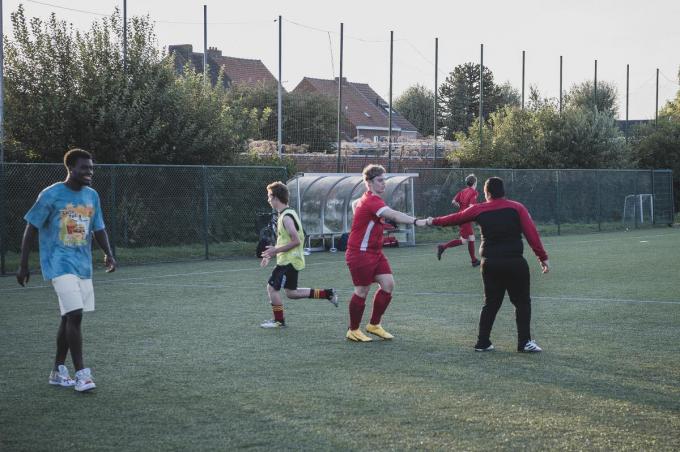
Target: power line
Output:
{"points": [[155, 21], [321, 30], [68, 9]]}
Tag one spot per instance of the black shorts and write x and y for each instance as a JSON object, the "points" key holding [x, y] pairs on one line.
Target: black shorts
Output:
{"points": [[284, 276]]}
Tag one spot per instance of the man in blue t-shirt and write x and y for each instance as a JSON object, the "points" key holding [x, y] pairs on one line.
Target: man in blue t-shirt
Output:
{"points": [[66, 215]]}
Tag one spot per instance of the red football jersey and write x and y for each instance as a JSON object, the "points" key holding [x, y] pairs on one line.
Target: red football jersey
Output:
{"points": [[367, 226], [466, 197]]}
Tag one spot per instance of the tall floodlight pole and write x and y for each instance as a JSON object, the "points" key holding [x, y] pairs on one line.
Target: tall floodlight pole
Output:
{"points": [[481, 93], [656, 108], [627, 96], [340, 100], [595, 88], [434, 122], [560, 84], [205, 44], [523, 66], [2, 145], [279, 107], [389, 132], [125, 36]]}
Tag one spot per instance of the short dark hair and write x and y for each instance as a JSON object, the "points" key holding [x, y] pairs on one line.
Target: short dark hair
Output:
{"points": [[279, 190], [471, 180], [372, 171], [72, 156], [494, 187]]}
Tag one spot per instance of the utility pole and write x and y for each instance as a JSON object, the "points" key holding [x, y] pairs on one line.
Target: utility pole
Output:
{"points": [[560, 84], [125, 36], [205, 44], [481, 94], [523, 60], [389, 133], [436, 68], [340, 101], [279, 108]]}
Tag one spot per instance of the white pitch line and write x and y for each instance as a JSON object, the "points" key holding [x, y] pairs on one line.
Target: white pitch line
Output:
{"points": [[564, 298], [256, 268]]}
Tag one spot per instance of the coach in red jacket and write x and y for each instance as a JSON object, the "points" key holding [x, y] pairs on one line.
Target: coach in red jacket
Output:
{"points": [[504, 268]]}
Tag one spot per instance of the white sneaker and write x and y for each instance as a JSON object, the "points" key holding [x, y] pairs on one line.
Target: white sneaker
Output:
{"points": [[530, 347], [61, 377], [333, 297], [84, 380], [273, 324]]}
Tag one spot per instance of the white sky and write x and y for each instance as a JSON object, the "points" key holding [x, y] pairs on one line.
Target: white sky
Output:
{"points": [[642, 33]]}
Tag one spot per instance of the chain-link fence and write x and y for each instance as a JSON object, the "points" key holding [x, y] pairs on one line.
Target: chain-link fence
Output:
{"points": [[160, 213], [562, 200], [153, 213]]}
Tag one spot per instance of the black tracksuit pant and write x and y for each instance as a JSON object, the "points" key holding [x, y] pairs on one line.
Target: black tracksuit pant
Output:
{"points": [[501, 274]]}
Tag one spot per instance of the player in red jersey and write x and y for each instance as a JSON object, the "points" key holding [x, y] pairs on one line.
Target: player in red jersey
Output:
{"points": [[367, 264], [464, 199]]}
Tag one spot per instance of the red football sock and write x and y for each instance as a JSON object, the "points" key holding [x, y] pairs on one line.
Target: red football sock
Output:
{"points": [[278, 312], [318, 293], [471, 250], [356, 311], [452, 243], [381, 301]]}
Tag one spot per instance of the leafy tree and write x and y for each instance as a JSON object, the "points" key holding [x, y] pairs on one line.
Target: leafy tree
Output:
{"points": [[459, 98], [658, 145], [541, 137], [583, 95], [417, 105], [66, 88]]}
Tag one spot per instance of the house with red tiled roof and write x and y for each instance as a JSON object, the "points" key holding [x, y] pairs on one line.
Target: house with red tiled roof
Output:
{"points": [[366, 113], [235, 71]]}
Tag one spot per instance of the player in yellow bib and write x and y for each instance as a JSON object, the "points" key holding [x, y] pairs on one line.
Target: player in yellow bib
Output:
{"points": [[290, 258]]}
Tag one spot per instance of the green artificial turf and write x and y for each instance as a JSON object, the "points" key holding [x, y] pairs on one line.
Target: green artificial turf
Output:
{"points": [[181, 363]]}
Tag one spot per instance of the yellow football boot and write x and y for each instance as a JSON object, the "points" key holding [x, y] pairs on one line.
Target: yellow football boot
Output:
{"points": [[357, 336], [378, 331]]}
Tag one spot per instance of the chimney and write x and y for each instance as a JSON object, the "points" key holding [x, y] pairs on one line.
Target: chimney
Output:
{"points": [[214, 52], [181, 49]]}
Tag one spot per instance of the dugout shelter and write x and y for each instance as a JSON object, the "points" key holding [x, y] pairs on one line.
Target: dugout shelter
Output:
{"points": [[324, 203]]}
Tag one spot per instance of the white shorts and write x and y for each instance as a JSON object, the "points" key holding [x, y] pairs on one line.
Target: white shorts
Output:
{"points": [[74, 293]]}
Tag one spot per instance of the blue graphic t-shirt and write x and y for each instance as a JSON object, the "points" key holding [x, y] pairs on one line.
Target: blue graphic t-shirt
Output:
{"points": [[66, 220]]}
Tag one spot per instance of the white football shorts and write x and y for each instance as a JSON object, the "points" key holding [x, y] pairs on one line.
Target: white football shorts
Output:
{"points": [[74, 293]]}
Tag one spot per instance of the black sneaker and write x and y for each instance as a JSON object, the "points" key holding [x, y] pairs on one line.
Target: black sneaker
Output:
{"points": [[476, 263], [440, 251], [479, 347]]}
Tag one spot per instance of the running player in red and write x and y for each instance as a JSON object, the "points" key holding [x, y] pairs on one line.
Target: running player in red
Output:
{"points": [[367, 264], [464, 199]]}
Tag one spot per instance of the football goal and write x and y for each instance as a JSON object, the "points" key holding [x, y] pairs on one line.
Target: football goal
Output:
{"points": [[638, 210]]}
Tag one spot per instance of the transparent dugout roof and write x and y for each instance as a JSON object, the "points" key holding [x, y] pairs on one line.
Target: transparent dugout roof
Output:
{"points": [[324, 200]]}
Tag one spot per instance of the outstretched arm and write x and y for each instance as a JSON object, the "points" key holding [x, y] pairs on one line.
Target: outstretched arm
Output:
{"points": [[23, 274], [397, 216], [102, 239]]}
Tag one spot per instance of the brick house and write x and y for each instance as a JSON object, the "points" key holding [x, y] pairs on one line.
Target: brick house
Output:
{"points": [[235, 71], [366, 112]]}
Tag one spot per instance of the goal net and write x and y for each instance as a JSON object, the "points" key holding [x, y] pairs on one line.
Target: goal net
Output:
{"points": [[638, 210]]}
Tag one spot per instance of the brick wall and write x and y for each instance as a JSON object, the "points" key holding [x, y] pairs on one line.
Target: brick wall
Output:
{"points": [[321, 163]]}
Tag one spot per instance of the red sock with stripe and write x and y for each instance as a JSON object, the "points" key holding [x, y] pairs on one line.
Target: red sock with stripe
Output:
{"points": [[278, 312], [319, 293], [356, 311], [381, 301]]}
